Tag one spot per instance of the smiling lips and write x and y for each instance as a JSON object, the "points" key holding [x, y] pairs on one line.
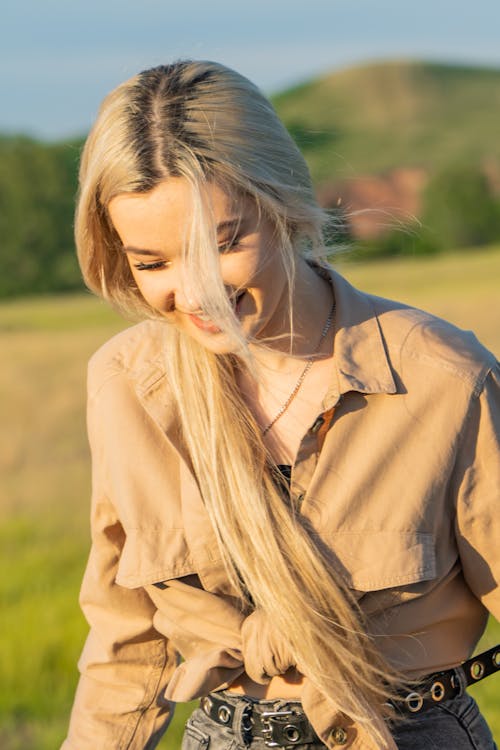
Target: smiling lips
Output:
{"points": [[205, 324]]}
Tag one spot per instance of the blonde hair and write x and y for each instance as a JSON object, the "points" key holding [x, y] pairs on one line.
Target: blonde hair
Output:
{"points": [[206, 123]]}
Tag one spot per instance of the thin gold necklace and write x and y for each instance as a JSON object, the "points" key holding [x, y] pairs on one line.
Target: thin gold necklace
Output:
{"points": [[304, 372]]}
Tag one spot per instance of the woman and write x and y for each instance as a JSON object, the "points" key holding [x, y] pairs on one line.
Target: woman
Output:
{"points": [[293, 482]]}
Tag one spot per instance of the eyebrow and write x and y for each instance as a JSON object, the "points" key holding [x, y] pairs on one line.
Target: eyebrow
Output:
{"points": [[230, 225], [140, 251]]}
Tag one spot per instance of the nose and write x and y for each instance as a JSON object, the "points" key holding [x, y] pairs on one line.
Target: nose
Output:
{"points": [[184, 297]]}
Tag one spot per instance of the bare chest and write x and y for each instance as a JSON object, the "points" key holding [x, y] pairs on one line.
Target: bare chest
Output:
{"points": [[266, 402]]}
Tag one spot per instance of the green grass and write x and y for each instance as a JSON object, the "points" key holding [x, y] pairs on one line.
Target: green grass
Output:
{"points": [[45, 480], [71, 312], [462, 288]]}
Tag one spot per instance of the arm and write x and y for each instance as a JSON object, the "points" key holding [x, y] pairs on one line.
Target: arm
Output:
{"points": [[478, 495], [126, 663]]}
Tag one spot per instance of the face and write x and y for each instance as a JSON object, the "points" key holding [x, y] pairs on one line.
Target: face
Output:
{"points": [[152, 228]]}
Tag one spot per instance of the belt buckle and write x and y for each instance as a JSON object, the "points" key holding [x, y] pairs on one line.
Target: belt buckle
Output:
{"points": [[268, 727]]}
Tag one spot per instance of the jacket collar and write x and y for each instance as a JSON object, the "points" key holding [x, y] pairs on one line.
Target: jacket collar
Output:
{"points": [[360, 358]]}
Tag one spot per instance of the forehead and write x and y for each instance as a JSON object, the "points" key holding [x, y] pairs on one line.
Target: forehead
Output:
{"points": [[162, 217]]}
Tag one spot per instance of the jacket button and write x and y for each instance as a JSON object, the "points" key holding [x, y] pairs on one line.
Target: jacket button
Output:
{"points": [[338, 736], [317, 425]]}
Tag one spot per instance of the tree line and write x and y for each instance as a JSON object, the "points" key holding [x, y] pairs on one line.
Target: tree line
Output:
{"points": [[38, 184], [460, 210]]}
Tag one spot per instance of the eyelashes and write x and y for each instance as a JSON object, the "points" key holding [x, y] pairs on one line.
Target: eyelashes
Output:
{"points": [[224, 248], [154, 266]]}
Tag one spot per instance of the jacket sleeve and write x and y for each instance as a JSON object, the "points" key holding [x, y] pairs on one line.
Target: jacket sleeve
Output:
{"points": [[478, 494], [126, 663]]}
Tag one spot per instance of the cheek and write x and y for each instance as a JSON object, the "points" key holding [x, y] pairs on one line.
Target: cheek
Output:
{"points": [[151, 288], [134, 274], [269, 274], [249, 267]]}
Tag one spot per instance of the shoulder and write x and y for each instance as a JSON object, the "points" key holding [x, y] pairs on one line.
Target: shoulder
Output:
{"points": [[413, 335], [135, 354], [413, 340]]}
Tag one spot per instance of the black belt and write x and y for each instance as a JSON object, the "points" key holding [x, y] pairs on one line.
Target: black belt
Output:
{"points": [[289, 726], [286, 726], [450, 683]]}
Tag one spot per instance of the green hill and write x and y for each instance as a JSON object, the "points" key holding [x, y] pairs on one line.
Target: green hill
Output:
{"points": [[373, 118]]}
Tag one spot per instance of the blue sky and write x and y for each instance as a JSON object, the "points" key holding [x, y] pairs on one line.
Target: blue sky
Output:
{"points": [[58, 58]]}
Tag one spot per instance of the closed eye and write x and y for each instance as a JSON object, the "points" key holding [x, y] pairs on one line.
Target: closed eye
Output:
{"points": [[226, 247], [154, 266]]}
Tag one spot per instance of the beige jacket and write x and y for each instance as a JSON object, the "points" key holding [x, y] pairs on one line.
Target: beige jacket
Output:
{"points": [[401, 482]]}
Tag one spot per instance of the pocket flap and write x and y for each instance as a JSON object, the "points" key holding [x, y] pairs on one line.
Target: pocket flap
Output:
{"points": [[150, 555], [374, 560]]}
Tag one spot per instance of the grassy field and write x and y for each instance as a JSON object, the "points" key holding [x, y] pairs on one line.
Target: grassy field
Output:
{"points": [[45, 479]]}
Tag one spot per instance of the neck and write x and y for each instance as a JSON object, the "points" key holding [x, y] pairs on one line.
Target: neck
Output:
{"points": [[312, 301]]}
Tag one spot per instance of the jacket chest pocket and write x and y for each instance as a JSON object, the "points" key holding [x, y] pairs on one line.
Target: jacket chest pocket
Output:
{"points": [[378, 560]]}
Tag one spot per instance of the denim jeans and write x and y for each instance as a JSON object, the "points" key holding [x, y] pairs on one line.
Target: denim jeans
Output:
{"points": [[456, 724]]}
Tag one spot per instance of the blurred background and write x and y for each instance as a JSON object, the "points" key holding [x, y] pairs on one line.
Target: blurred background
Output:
{"points": [[397, 110]]}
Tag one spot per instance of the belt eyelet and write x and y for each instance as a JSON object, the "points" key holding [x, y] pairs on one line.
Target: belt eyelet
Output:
{"points": [[477, 669], [224, 714], [437, 691], [206, 704], [414, 702], [292, 733]]}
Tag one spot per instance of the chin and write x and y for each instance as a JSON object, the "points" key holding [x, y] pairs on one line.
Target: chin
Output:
{"points": [[224, 347], [218, 343]]}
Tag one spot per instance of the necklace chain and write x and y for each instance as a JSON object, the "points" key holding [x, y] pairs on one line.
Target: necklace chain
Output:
{"points": [[304, 372]]}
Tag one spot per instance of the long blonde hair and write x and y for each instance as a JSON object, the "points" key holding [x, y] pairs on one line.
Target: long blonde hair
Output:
{"points": [[206, 123]]}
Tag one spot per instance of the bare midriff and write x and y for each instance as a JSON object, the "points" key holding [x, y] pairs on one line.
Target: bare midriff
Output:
{"points": [[288, 685]]}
